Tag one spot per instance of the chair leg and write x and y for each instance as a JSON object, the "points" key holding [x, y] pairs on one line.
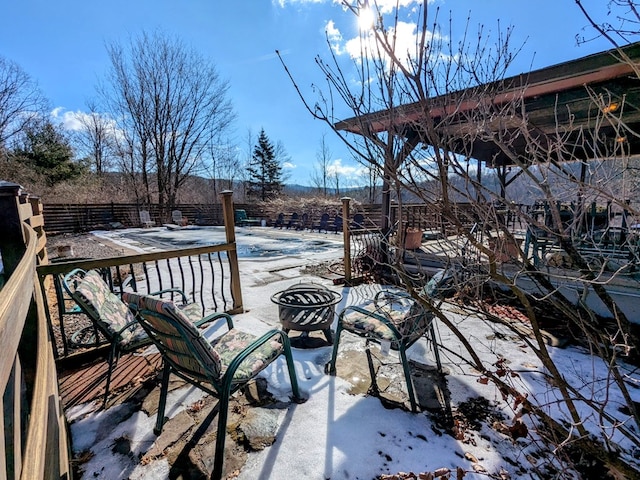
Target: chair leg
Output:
{"points": [[436, 351], [331, 370], [113, 359], [291, 368], [407, 376], [218, 461], [162, 402], [373, 389], [328, 335]]}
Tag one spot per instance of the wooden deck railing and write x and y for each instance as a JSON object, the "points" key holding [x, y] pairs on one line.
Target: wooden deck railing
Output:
{"points": [[208, 275], [203, 273], [35, 443]]}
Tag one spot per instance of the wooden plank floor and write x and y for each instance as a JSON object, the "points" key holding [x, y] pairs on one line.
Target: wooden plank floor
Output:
{"points": [[87, 383]]}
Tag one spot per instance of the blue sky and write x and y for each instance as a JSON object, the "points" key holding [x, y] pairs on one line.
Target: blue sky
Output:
{"points": [[61, 44]]}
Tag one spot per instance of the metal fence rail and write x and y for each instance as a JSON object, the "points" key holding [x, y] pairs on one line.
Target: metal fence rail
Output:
{"points": [[204, 274]]}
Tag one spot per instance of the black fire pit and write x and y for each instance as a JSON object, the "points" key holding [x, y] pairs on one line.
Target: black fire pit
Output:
{"points": [[307, 307]]}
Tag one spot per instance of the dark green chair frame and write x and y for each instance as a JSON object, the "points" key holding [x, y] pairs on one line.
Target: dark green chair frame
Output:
{"points": [[401, 342], [70, 283], [173, 335], [242, 219]]}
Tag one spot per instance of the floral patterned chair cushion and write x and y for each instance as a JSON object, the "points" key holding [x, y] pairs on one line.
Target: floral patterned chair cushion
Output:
{"points": [[192, 353], [234, 341], [193, 311], [372, 320], [107, 309]]}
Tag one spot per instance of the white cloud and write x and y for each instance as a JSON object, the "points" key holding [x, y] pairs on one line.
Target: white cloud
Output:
{"points": [[344, 171], [385, 6], [388, 6], [334, 36], [69, 120], [404, 35], [284, 3], [289, 165], [78, 121]]}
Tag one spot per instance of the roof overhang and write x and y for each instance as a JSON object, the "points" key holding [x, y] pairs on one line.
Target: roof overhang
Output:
{"points": [[550, 101]]}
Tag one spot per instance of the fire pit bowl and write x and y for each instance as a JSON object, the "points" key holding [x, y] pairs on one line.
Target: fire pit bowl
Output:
{"points": [[307, 307]]}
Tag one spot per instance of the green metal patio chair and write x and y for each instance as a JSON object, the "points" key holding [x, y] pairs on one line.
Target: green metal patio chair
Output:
{"points": [[393, 317], [113, 319], [218, 367], [242, 220]]}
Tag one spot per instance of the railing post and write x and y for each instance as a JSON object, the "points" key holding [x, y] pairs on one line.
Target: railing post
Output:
{"points": [[12, 242], [346, 234], [230, 233]]}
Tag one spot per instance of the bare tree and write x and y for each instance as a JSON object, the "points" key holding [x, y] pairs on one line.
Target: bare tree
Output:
{"points": [[421, 114], [20, 100], [371, 178], [96, 138], [334, 178], [225, 166], [621, 27], [321, 169], [283, 158], [167, 100], [247, 153]]}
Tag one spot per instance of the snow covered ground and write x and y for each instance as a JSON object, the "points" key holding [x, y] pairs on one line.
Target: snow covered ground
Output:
{"points": [[338, 435]]}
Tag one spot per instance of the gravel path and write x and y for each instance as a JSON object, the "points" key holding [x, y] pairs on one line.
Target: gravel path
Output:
{"points": [[84, 245]]}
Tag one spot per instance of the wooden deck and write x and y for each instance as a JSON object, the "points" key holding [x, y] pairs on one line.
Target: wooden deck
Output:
{"points": [[87, 383]]}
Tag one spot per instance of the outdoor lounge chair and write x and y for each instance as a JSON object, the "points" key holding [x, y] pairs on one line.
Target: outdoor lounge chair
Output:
{"points": [[219, 367], [113, 319], [279, 223], [336, 226], [242, 220], [145, 219], [178, 219], [304, 222], [323, 225], [393, 318], [293, 221], [357, 222]]}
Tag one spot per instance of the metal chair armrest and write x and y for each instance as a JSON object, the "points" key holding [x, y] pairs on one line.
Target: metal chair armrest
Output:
{"points": [[118, 334], [213, 317], [387, 297], [66, 280], [159, 293], [242, 356]]}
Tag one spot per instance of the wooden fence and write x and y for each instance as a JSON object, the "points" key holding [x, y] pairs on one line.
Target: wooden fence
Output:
{"points": [[76, 218], [35, 443]]}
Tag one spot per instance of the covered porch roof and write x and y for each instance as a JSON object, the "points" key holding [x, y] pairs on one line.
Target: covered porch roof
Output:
{"points": [[558, 96]]}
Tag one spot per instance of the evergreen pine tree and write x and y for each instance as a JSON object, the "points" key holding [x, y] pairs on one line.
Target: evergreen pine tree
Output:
{"points": [[46, 150], [265, 172]]}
